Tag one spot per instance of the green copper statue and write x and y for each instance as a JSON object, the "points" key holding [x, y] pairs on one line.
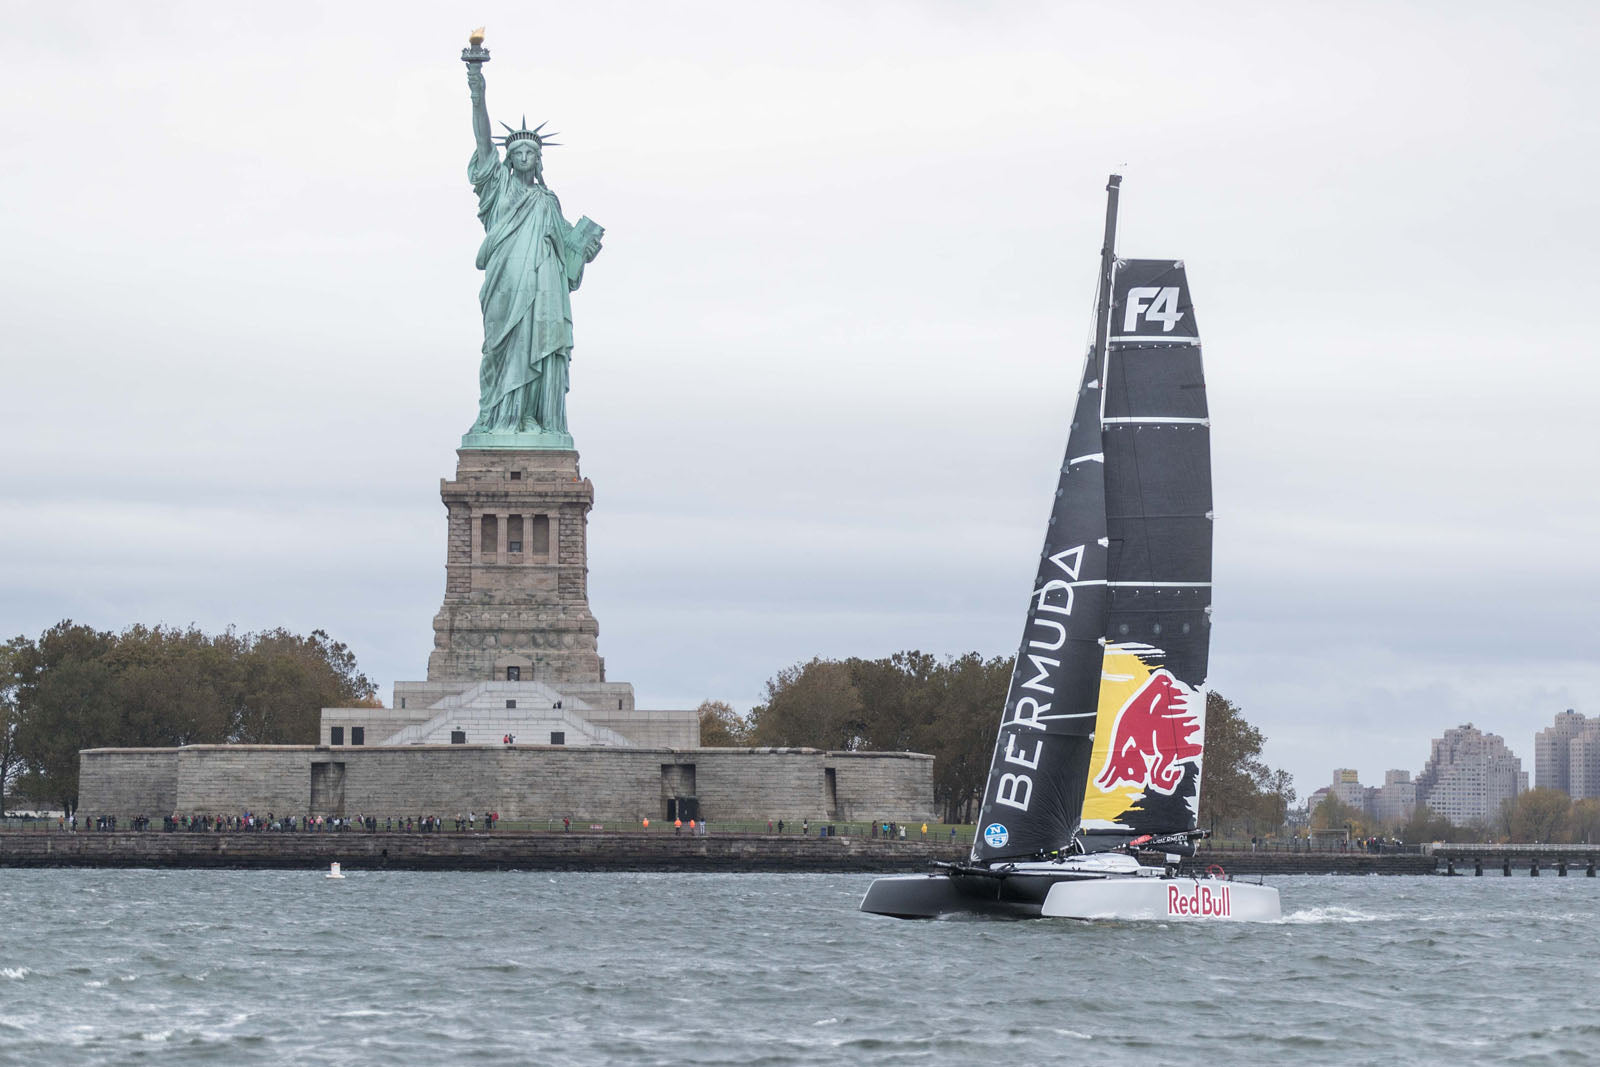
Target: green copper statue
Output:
{"points": [[531, 260]]}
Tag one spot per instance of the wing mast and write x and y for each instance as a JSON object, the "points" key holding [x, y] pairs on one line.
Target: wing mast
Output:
{"points": [[1039, 771]]}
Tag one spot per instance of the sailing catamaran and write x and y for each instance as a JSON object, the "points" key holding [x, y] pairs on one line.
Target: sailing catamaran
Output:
{"points": [[1098, 756]]}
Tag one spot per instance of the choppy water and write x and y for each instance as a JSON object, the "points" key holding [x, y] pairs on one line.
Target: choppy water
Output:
{"points": [[243, 967]]}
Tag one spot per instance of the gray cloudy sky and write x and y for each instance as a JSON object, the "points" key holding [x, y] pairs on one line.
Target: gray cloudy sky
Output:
{"points": [[824, 365]]}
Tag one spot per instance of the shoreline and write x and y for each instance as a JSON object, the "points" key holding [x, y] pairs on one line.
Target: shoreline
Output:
{"points": [[506, 850]]}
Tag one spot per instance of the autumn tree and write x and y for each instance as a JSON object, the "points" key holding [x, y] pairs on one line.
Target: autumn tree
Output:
{"points": [[1583, 821], [1335, 814], [1538, 816], [1236, 784], [722, 727]]}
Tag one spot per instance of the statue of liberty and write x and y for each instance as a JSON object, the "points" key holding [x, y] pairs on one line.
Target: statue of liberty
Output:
{"points": [[531, 260]]}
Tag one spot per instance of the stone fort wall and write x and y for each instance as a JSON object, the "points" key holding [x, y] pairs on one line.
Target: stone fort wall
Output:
{"points": [[521, 782]]}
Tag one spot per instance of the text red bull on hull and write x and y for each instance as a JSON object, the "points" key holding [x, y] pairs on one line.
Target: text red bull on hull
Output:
{"points": [[1201, 901]]}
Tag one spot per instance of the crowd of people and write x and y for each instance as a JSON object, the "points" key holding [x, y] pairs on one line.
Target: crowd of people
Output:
{"points": [[462, 822], [251, 822]]}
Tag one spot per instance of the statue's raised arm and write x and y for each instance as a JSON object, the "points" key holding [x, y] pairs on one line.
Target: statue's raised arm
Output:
{"points": [[480, 111]]}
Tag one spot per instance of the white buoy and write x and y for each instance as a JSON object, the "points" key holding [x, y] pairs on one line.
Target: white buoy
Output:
{"points": [[334, 872]]}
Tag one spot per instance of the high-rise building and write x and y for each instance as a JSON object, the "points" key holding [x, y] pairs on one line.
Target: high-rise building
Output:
{"points": [[1583, 763], [1396, 798], [1348, 788], [1552, 752], [1469, 775]]}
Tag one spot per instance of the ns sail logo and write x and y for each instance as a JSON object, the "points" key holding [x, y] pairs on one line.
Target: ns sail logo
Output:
{"points": [[996, 835]]}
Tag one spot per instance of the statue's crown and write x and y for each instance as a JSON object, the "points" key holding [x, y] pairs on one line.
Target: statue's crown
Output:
{"points": [[525, 134]]}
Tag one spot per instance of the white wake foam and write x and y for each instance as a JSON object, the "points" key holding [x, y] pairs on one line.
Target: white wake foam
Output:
{"points": [[1332, 915]]}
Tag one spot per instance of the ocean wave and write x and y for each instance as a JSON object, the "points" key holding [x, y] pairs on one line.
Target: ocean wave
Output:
{"points": [[16, 974]]}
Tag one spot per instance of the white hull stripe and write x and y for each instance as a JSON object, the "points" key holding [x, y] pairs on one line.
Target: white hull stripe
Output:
{"points": [[1156, 418], [1136, 338]]}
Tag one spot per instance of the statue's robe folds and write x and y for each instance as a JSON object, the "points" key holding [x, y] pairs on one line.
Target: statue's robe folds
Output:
{"points": [[529, 270]]}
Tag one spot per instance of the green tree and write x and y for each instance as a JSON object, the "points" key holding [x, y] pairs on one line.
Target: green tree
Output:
{"points": [[78, 688], [963, 698], [10, 719], [910, 701], [1424, 825], [722, 727], [811, 705], [65, 703], [174, 687], [286, 681], [1539, 816]]}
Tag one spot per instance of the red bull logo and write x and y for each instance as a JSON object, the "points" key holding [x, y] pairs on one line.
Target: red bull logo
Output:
{"points": [[1201, 901], [1153, 735]]}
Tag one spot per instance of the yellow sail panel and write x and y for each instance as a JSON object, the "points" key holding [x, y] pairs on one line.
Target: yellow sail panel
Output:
{"points": [[1144, 767]]}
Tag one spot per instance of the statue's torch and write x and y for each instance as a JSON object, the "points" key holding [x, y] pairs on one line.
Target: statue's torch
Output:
{"points": [[475, 52]]}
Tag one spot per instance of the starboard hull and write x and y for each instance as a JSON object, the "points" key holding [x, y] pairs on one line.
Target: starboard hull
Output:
{"points": [[1060, 891], [1162, 900]]}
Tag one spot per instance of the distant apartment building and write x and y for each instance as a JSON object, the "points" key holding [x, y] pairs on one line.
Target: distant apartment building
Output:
{"points": [[1396, 798], [1348, 788], [1393, 801], [1566, 755], [1583, 763], [1469, 775], [1314, 801]]}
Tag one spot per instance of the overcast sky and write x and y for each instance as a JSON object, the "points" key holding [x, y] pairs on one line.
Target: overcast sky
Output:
{"points": [[825, 363]]}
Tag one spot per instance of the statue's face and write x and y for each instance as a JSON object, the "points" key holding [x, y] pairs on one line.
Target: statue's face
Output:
{"points": [[523, 157]]}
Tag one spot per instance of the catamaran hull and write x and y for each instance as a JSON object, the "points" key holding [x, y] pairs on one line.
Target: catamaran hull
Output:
{"points": [[932, 896], [1164, 900], [1034, 896]]}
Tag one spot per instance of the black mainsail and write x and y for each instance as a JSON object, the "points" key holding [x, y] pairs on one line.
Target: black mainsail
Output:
{"points": [[1157, 441], [1105, 717]]}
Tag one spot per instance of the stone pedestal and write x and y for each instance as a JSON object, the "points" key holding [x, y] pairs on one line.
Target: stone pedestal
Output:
{"points": [[516, 599]]}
